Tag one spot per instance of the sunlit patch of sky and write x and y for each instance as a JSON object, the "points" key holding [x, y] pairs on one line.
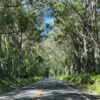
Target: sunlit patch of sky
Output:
{"points": [[48, 20]]}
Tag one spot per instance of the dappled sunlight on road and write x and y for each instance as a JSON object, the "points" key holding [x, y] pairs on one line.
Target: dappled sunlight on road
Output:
{"points": [[50, 89]]}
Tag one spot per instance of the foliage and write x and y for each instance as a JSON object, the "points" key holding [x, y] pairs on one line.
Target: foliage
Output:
{"points": [[87, 81], [9, 84], [70, 47]]}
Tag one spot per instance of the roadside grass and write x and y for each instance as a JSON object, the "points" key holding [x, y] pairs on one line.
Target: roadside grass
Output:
{"points": [[89, 82], [9, 84]]}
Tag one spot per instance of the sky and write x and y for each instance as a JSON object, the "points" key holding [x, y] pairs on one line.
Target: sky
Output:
{"points": [[48, 20]]}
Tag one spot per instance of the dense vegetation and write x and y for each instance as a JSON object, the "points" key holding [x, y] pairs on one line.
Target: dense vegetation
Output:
{"points": [[30, 47], [88, 81]]}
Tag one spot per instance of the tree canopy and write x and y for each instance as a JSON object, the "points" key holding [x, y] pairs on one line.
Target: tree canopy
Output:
{"points": [[69, 43]]}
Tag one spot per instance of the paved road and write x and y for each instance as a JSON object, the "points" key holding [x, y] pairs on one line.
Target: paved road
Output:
{"points": [[49, 89]]}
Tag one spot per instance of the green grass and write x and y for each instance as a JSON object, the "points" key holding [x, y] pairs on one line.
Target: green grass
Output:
{"points": [[13, 83], [85, 81]]}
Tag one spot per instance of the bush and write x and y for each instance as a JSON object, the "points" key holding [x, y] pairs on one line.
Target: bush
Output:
{"points": [[12, 83], [87, 81]]}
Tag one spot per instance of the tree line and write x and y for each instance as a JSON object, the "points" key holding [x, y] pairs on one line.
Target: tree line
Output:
{"points": [[71, 47]]}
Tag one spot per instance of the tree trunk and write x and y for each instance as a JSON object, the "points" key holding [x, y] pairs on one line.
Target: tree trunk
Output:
{"points": [[95, 34]]}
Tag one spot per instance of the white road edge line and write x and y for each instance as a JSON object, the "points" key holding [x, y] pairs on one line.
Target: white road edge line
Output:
{"points": [[79, 93]]}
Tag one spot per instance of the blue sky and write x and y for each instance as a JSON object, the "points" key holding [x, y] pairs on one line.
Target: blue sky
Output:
{"points": [[48, 20]]}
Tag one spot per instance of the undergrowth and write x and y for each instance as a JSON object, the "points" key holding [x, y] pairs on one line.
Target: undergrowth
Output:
{"points": [[8, 84], [86, 81]]}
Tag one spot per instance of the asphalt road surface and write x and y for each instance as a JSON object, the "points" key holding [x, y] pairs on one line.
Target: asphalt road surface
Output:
{"points": [[49, 89]]}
